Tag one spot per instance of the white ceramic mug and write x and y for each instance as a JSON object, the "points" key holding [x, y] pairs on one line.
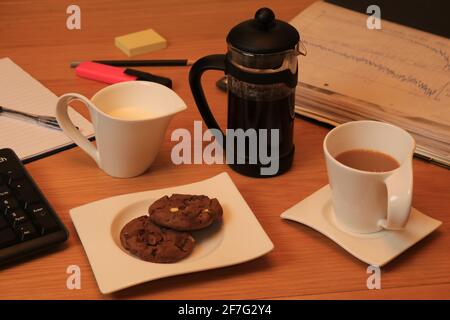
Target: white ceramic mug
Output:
{"points": [[129, 120], [363, 201]]}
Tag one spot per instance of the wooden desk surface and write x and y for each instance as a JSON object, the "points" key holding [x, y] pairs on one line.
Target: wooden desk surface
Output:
{"points": [[304, 263]]}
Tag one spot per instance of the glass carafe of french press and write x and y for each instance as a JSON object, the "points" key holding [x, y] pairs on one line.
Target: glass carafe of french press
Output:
{"points": [[261, 69]]}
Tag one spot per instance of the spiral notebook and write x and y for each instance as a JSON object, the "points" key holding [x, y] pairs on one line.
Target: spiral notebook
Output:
{"points": [[20, 91]]}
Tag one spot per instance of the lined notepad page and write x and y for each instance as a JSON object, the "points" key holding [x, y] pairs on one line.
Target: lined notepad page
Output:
{"points": [[20, 91]]}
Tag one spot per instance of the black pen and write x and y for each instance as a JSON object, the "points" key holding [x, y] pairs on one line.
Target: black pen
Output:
{"points": [[140, 63]]}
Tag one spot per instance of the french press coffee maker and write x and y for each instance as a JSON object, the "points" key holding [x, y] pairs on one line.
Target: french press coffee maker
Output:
{"points": [[261, 70]]}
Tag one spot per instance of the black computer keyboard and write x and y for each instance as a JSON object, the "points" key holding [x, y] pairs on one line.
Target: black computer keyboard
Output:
{"points": [[28, 223]]}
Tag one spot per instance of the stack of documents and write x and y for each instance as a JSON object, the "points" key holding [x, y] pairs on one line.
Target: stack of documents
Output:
{"points": [[394, 74]]}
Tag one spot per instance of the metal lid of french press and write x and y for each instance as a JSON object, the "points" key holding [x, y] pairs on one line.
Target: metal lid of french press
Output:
{"points": [[264, 34]]}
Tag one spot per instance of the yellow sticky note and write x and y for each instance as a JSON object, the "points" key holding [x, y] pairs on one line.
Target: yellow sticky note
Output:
{"points": [[140, 42]]}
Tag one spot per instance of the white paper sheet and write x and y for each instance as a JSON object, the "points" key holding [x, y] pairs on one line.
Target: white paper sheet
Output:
{"points": [[20, 91]]}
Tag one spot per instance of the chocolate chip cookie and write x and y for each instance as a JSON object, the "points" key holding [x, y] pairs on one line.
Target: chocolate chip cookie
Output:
{"points": [[185, 212], [149, 242]]}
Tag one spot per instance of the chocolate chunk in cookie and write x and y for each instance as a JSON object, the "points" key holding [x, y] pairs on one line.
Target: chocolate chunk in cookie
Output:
{"points": [[185, 212], [149, 242]]}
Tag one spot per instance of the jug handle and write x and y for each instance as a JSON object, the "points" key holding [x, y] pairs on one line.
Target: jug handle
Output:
{"points": [[69, 128], [211, 62]]}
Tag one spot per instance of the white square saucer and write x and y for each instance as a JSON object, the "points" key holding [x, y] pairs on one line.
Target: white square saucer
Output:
{"points": [[379, 248], [238, 238]]}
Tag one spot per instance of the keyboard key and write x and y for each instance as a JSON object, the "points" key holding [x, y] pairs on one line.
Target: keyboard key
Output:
{"points": [[4, 192], [8, 204], [7, 237], [12, 175], [16, 217], [24, 191], [3, 222], [26, 231], [42, 218]]}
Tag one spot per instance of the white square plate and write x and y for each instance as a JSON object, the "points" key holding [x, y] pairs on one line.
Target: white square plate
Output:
{"points": [[376, 248], [238, 238]]}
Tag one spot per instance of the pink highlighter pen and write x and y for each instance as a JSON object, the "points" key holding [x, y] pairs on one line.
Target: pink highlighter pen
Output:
{"points": [[109, 74]]}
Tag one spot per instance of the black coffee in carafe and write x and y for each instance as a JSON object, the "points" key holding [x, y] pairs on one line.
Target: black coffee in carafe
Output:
{"points": [[261, 68], [267, 116]]}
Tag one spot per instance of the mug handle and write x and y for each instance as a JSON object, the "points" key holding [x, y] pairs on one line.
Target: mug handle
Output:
{"points": [[211, 62], [399, 188], [69, 128]]}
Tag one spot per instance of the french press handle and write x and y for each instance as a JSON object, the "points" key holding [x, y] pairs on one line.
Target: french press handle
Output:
{"points": [[211, 62]]}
